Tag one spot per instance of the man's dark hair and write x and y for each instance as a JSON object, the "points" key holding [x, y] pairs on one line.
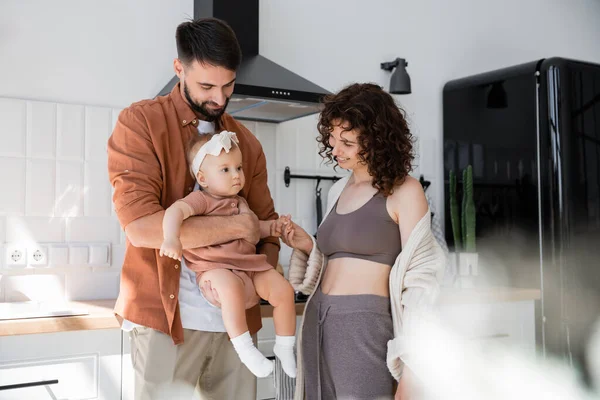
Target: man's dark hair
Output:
{"points": [[208, 41]]}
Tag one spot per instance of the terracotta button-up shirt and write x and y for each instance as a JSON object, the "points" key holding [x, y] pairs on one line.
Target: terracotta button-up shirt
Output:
{"points": [[149, 172]]}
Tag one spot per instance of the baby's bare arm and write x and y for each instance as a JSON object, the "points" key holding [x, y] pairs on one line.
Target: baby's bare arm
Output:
{"points": [[172, 220], [174, 216]]}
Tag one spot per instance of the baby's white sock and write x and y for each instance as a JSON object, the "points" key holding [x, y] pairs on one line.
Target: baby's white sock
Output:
{"points": [[284, 350], [256, 362]]}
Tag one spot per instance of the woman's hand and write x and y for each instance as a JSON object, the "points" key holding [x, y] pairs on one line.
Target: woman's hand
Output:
{"points": [[296, 237], [171, 247], [404, 392]]}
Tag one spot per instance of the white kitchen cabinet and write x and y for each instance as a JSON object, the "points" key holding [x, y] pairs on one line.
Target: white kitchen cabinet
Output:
{"points": [[127, 388], [511, 323], [87, 365]]}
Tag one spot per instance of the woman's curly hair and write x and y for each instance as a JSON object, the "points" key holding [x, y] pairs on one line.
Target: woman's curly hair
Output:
{"points": [[385, 141]]}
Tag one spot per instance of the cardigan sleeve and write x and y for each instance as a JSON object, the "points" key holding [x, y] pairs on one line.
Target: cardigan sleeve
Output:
{"points": [[305, 270], [420, 286]]}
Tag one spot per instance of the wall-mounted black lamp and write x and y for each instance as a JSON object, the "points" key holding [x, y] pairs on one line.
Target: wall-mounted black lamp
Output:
{"points": [[400, 81]]}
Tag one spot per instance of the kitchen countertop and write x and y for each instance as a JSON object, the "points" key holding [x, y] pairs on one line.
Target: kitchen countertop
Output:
{"points": [[101, 311], [487, 295], [100, 316]]}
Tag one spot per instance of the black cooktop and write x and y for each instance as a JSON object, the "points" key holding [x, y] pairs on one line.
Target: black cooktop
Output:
{"points": [[300, 298]]}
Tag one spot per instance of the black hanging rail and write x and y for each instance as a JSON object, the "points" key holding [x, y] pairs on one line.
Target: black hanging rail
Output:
{"points": [[424, 183], [287, 176]]}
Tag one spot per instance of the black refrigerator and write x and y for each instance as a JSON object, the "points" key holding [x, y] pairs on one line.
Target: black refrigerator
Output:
{"points": [[532, 135]]}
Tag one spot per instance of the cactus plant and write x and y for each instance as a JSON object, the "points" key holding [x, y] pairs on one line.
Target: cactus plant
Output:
{"points": [[454, 217], [463, 203], [468, 211]]}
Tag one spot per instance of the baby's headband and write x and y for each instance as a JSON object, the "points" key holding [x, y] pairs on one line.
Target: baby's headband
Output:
{"points": [[219, 141]]}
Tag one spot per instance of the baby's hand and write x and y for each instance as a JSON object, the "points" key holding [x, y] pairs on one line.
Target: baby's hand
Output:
{"points": [[278, 226], [171, 248]]}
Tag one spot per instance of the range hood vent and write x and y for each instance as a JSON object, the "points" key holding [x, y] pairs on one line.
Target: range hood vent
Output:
{"points": [[264, 90]]}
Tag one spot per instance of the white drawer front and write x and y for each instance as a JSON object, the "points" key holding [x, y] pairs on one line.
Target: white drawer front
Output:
{"points": [[510, 323], [265, 388], [77, 378], [87, 365]]}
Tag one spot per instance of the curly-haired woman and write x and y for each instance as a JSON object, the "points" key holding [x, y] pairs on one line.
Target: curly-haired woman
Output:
{"points": [[375, 265]]}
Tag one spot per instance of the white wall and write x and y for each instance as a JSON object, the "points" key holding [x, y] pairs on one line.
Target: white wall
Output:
{"points": [[108, 52], [334, 43], [112, 53]]}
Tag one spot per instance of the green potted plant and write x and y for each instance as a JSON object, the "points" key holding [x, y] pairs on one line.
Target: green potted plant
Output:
{"points": [[463, 229]]}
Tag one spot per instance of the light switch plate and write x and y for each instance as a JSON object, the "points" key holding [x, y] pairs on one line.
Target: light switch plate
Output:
{"points": [[79, 256], [58, 255], [99, 255]]}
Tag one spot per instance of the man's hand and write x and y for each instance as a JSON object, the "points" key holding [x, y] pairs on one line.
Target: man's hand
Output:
{"points": [[251, 223], [212, 296], [171, 247]]}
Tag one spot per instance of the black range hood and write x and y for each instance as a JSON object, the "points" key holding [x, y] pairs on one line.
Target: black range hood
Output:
{"points": [[264, 90]]}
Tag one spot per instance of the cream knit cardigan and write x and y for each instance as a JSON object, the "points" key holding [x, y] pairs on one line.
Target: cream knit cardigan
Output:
{"points": [[415, 280]]}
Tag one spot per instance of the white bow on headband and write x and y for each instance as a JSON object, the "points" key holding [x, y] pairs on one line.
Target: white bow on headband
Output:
{"points": [[219, 141]]}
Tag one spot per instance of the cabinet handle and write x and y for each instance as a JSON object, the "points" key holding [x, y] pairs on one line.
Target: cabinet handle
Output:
{"points": [[494, 336], [29, 384]]}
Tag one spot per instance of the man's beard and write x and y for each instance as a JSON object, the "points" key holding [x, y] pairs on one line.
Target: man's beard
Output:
{"points": [[201, 108]]}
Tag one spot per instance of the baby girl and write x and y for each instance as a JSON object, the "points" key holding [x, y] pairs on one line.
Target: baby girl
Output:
{"points": [[216, 163]]}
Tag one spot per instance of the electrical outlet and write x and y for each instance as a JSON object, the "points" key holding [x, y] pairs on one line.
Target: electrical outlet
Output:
{"points": [[38, 256], [15, 256]]}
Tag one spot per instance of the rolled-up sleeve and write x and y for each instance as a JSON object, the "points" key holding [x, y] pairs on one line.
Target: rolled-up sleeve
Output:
{"points": [[133, 168]]}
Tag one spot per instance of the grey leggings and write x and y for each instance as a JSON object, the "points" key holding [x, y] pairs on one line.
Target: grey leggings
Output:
{"points": [[344, 346]]}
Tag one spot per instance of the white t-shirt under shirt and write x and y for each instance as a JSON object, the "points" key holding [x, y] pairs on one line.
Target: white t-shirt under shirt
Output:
{"points": [[196, 313]]}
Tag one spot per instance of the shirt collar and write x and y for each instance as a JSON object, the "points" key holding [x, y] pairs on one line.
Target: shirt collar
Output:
{"points": [[185, 114]]}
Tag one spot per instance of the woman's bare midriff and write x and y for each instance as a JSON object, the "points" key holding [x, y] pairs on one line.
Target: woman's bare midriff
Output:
{"points": [[344, 276]]}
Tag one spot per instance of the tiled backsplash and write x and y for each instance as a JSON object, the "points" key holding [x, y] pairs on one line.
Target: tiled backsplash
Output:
{"points": [[53, 168]]}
